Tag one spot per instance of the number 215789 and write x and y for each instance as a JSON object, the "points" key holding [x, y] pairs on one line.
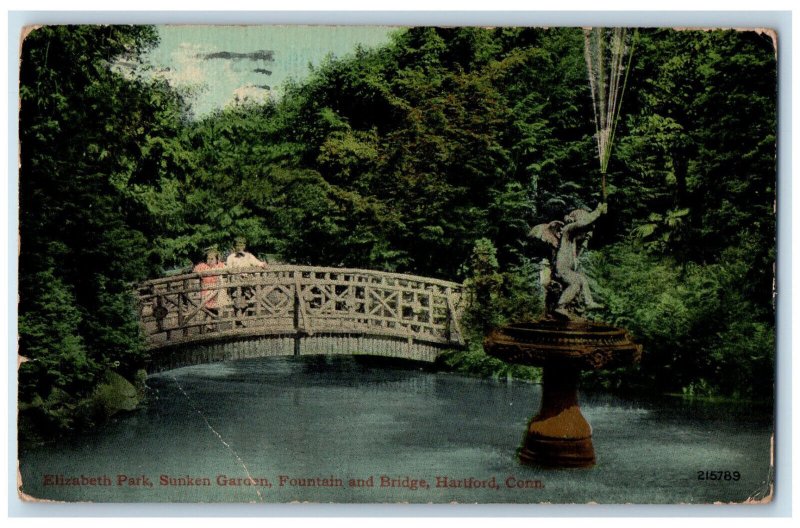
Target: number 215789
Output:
{"points": [[718, 475]]}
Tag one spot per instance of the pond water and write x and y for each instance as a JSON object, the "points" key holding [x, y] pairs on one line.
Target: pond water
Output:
{"points": [[348, 429]]}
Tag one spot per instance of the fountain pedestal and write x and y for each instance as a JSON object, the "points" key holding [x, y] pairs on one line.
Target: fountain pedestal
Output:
{"points": [[559, 435]]}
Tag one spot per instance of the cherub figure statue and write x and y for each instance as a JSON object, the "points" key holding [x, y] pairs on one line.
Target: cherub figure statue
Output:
{"points": [[567, 240]]}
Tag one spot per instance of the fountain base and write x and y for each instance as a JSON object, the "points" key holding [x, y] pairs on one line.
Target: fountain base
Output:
{"points": [[559, 435]]}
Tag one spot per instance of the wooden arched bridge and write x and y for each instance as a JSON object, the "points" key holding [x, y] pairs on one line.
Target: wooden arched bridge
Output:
{"points": [[293, 310]]}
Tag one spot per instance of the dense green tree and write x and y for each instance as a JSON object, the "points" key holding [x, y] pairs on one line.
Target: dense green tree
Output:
{"points": [[694, 184], [701, 139], [90, 138], [438, 134]]}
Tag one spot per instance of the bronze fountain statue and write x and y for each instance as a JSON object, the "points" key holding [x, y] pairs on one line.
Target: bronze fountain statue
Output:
{"points": [[564, 344]]}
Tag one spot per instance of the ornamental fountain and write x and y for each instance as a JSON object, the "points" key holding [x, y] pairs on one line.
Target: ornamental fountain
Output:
{"points": [[563, 343]]}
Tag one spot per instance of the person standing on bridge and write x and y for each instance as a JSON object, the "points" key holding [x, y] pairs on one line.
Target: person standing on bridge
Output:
{"points": [[211, 296], [238, 260]]}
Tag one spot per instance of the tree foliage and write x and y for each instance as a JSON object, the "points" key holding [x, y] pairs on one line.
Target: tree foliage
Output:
{"points": [[89, 138]]}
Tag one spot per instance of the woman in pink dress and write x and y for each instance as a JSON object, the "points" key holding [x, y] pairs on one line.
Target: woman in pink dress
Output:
{"points": [[211, 297]]}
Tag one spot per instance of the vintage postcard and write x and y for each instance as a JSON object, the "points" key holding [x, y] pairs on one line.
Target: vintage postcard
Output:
{"points": [[376, 264]]}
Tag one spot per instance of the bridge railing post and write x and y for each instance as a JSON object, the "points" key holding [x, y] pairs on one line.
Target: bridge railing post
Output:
{"points": [[454, 334], [296, 313]]}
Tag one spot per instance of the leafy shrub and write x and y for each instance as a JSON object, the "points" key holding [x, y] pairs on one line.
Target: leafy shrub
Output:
{"points": [[483, 289], [701, 334]]}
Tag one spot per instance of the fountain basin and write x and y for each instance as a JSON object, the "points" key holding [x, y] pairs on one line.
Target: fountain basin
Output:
{"points": [[559, 435], [582, 345]]}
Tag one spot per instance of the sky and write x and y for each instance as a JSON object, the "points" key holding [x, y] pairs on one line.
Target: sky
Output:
{"points": [[221, 64]]}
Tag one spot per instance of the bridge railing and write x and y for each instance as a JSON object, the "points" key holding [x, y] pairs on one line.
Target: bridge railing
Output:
{"points": [[300, 301]]}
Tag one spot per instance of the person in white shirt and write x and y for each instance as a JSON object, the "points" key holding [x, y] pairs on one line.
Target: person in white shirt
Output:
{"points": [[240, 258], [237, 260]]}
